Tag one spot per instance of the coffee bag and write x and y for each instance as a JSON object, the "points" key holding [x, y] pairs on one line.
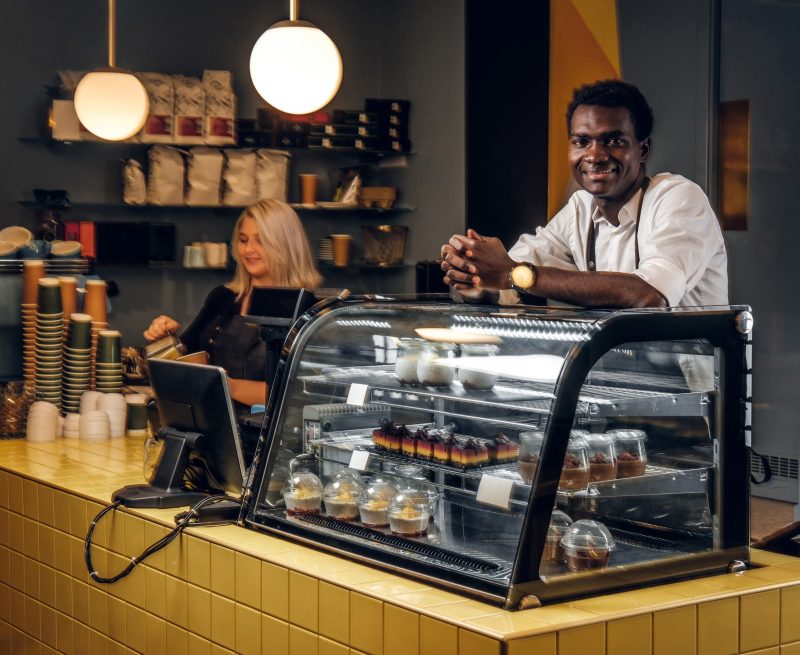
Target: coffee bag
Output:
{"points": [[190, 101], [239, 178], [203, 176], [220, 108], [272, 174], [134, 189], [159, 127], [165, 176]]}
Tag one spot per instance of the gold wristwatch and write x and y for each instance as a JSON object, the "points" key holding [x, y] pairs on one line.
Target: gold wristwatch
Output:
{"points": [[522, 277]]}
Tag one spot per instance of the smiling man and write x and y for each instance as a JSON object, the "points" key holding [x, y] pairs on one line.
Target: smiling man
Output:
{"points": [[623, 240]]}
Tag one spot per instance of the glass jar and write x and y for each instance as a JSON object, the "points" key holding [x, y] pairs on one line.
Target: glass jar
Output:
{"points": [[302, 493], [602, 461], [433, 367], [587, 545], [341, 498], [530, 449], [471, 374], [405, 366], [575, 472], [630, 452]]}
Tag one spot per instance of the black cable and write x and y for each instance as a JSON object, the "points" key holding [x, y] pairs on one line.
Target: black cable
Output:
{"points": [[180, 525]]}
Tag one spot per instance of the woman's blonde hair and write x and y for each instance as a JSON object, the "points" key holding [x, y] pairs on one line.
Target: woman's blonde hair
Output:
{"points": [[286, 246]]}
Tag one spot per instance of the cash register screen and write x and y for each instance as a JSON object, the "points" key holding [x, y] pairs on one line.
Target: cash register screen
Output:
{"points": [[195, 398]]}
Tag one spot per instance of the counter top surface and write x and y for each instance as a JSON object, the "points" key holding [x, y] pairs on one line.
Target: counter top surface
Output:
{"points": [[94, 470]]}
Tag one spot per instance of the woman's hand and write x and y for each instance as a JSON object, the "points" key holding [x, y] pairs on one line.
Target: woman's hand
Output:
{"points": [[161, 327]]}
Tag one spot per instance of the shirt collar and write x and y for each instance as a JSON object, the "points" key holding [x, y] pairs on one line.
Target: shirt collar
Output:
{"points": [[627, 215]]}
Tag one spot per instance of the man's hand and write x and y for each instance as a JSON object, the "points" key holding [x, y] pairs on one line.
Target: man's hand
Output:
{"points": [[474, 261], [161, 327]]}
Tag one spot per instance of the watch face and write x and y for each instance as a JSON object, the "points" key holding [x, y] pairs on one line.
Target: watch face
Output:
{"points": [[522, 276]]}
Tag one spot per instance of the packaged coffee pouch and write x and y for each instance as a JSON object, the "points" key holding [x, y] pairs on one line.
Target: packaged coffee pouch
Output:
{"points": [[134, 189], [160, 123], [165, 176], [239, 178], [220, 109], [272, 174], [203, 176], [190, 101]]}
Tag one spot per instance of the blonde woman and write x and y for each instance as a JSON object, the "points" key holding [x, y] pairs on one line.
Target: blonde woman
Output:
{"points": [[270, 248]]}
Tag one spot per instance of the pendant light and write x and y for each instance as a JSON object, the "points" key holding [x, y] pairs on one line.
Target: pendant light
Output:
{"points": [[111, 102], [295, 66]]}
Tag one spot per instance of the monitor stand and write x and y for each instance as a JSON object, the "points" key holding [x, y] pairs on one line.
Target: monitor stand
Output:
{"points": [[165, 490]]}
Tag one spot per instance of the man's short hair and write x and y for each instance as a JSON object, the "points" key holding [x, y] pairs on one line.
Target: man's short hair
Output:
{"points": [[615, 93]]}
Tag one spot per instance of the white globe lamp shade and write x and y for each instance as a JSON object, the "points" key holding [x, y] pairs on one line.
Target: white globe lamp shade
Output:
{"points": [[112, 104], [296, 67]]}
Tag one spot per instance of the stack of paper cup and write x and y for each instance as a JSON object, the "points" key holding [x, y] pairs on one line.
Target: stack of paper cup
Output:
{"points": [[43, 422], [115, 406], [69, 298], [89, 401], [94, 426], [77, 364], [72, 427], [137, 415], [32, 272], [49, 341], [108, 363], [95, 303]]}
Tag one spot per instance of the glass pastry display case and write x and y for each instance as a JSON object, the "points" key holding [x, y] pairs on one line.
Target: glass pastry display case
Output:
{"points": [[521, 455]]}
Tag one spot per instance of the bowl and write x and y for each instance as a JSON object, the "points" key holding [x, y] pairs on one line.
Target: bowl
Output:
{"points": [[8, 249], [66, 249], [17, 235]]}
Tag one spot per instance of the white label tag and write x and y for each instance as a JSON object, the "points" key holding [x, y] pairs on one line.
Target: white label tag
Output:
{"points": [[495, 491], [357, 394], [358, 460]]}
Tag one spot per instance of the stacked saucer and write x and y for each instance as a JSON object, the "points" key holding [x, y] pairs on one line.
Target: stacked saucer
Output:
{"points": [[325, 250], [32, 272], [49, 341], [43, 422], [108, 365], [77, 362]]}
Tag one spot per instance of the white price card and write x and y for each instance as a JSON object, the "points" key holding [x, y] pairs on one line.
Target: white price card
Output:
{"points": [[357, 394], [358, 460], [495, 491]]}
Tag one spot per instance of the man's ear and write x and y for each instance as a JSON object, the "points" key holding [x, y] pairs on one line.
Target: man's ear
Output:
{"points": [[644, 149]]}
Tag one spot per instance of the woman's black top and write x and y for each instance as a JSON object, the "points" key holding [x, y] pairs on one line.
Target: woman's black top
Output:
{"points": [[230, 341]]}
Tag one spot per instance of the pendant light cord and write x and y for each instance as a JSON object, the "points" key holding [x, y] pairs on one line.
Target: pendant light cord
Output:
{"points": [[112, 36], [293, 9]]}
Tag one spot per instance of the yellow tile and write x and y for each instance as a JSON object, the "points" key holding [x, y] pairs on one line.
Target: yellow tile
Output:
{"points": [[116, 619], [63, 593], [223, 567], [4, 535], [177, 640], [61, 552], [115, 532], [114, 564], [223, 621], [334, 612], [176, 601], [275, 590], [790, 610], [61, 511], [219, 650], [791, 649], [77, 559], [675, 631], [81, 638], [766, 651], [30, 499], [385, 589], [48, 626], [511, 624], [303, 601], [248, 630], [437, 637], [64, 633], [767, 558], [585, 640], [4, 489], [135, 629], [199, 566], [538, 645], [718, 627], [78, 520], [30, 537], [5, 560], [366, 624], [621, 633], [16, 572], [429, 598], [773, 574], [47, 586], [302, 642], [98, 644], [100, 532], [98, 609], [199, 612], [465, 610], [275, 633], [471, 643], [134, 587], [400, 631], [329, 647], [134, 536], [15, 494], [33, 621], [80, 601], [47, 553], [31, 577], [759, 620], [248, 580], [198, 645], [152, 534], [155, 635], [177, 557], [16, 538], [155, 591], [17, 641], [45, 504]]}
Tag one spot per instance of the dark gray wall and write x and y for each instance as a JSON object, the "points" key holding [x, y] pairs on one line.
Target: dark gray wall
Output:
{"points": [[411, 50]]}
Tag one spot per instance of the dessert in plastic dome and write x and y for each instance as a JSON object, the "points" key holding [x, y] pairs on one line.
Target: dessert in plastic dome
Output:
{"points": [[373, 505], [587, 545], [602, 461], [409, 514], [575, 473], [631, 454], [302, 493], [341, 498], [559, 524]]}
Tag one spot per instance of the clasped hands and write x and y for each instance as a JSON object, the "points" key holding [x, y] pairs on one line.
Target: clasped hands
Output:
{"points": [[472, 262]]}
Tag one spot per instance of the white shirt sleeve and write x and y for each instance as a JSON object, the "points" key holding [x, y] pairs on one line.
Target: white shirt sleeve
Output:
{"points": [[552, 244]]}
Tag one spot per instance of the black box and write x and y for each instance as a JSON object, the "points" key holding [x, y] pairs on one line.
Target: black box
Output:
{"points": [[331, 142], [385, 106], [334, 129], [121, 243]]}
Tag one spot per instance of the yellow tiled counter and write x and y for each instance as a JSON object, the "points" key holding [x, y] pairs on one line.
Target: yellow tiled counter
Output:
{"points": [[221, 590]]}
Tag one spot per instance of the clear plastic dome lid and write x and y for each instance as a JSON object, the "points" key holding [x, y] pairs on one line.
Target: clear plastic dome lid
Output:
{"points": [[588, 536], [599, 441], [559, 524], [304, 483], [344, 489], [628, 435], [353, 474], [378, 492], [409, 505]]}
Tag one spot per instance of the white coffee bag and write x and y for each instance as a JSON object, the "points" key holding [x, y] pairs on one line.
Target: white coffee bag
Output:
{"points": [[220, 109], [159, 127], [165, 176], [134, 188], [203, 176], [272, 174], [190, 101], [239, 178]]}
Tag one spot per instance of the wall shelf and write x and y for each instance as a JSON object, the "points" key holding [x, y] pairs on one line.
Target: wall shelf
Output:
{"points": [[300, 207]]}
